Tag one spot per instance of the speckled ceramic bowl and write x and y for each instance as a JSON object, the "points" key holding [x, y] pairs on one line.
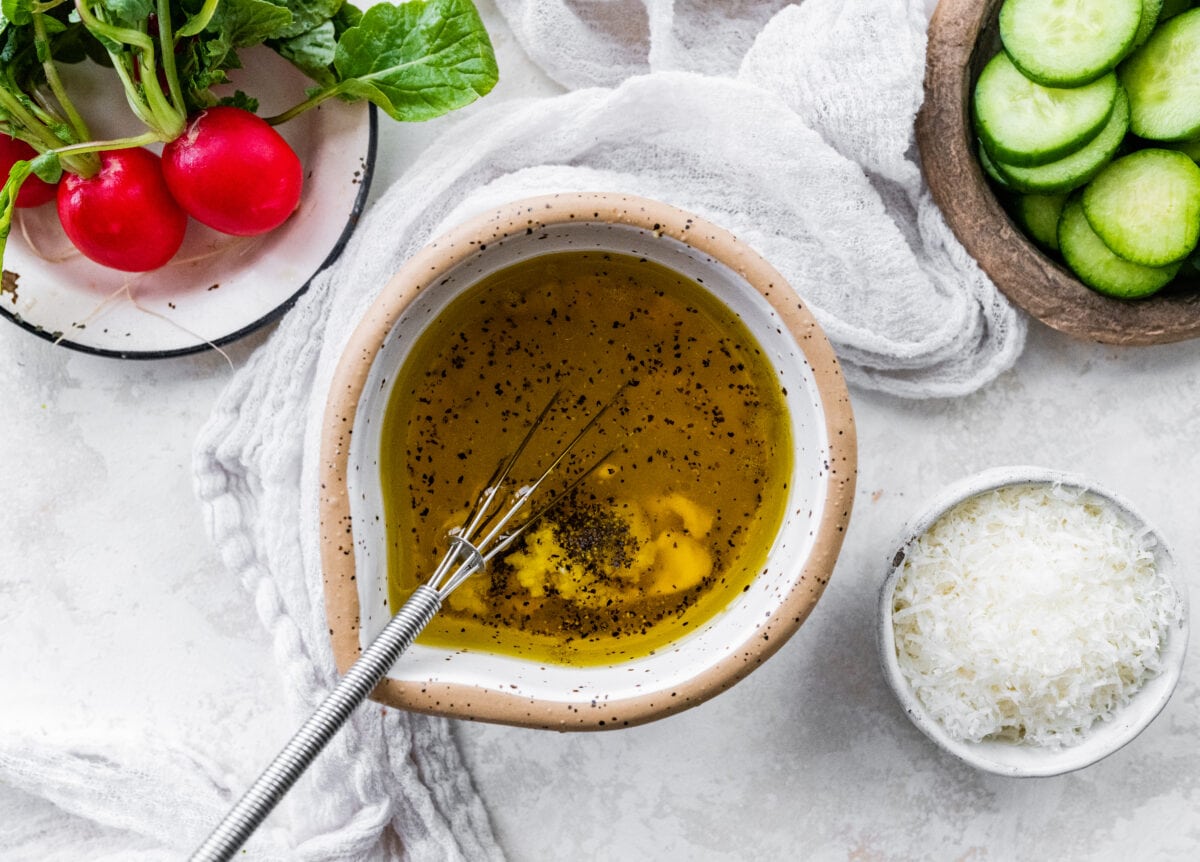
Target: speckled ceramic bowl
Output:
{"points": [[483, 686], [1004, 758]]}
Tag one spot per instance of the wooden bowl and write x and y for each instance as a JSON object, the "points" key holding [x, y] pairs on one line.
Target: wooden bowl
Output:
{"points": [[963, 35]]}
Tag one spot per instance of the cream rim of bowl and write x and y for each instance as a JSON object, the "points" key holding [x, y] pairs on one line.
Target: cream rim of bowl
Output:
{"points": [[1104, 738], [491, 687]]}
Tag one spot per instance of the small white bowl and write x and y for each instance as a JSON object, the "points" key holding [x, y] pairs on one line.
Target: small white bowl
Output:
{"points": [[1017, 760]]}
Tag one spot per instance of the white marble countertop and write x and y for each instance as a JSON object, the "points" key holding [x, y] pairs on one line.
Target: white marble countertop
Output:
{"points": [[112, 599]]}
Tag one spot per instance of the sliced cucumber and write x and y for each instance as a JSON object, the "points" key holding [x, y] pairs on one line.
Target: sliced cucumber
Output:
{"points": [[1171, 8], [1151, 10], [1025, 124], [1188, 148], [1096, 265], [989, 168], [1070, 172], [1163, 81], [1040, 215], [1146, 206], [1068, 43]]}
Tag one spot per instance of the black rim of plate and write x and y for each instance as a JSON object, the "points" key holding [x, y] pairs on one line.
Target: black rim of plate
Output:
{"points": [[271, 316]]}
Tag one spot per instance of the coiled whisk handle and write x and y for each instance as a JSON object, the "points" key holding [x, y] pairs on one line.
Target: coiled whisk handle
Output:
{"points": [[254, 806]]}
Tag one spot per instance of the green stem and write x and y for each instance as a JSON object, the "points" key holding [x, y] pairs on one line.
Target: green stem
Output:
{"points": [[45, 139], [198, 21], [17, 174], [42, 139], [42, 42], [156, 111], [311, 102], [21, 135], [168, 119], [40, 106], [166, 41], [141, 140], [139, 108], [81, 164], [119, 62], [124, 35]]}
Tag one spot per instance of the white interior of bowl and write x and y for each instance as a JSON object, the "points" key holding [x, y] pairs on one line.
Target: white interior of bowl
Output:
{"points": [[1005, 758], [686, 658]]}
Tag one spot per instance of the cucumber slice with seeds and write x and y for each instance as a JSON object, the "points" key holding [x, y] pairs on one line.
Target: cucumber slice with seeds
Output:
{"points": [[1025, 124], [1040, 215], [1076, 169], [1096, 265], [1068, 43], [1146, 206], [1163, 81]]}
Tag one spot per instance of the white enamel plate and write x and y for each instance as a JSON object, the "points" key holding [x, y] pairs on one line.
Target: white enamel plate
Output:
{"points": [[217, 288]]}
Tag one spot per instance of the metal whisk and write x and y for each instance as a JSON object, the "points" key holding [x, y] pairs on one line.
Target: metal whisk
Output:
{"points": [[485, 535]]}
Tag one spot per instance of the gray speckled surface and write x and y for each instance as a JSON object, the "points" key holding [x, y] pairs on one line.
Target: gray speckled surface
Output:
{"points": [[811, 754], [112, 602]]}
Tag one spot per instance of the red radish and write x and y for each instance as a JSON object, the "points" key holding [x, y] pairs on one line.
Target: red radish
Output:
{"points": [[34, 191], [231, 171], [123, 217]]}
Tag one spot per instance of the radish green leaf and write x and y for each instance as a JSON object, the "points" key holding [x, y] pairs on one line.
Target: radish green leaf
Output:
{"points": [[418, 60]]}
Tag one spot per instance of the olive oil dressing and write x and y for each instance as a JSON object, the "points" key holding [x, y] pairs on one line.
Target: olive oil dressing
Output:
{"points": [[658, 539]]}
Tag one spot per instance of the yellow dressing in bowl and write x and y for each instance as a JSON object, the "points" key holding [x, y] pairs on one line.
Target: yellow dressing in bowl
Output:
{"points": [[676, 521]]}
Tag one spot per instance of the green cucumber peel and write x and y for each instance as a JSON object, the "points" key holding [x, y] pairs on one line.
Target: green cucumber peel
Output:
{"points": [[1026, 125], [1162, 78], [1040, 214], [1076, 169], [1061, 44], [1099, 267], [1146, 206]]}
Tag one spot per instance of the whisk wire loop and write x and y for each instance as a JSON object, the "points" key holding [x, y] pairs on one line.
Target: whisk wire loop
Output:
{"points": [[474, 562], [483, 511]]}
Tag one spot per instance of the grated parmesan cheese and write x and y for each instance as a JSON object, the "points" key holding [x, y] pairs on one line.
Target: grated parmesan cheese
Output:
{"points": [[1028, 613]]}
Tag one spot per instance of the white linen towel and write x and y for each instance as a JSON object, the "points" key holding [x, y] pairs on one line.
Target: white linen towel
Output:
{"points": [[791, 127]]}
